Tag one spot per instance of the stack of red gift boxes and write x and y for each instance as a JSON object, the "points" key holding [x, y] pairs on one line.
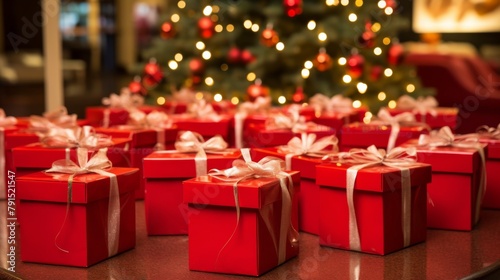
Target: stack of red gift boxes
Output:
{"points": [[372, 186]]}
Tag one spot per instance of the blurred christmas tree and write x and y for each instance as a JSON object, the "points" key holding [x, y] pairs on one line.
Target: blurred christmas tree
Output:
{"points": [[289, 49]]}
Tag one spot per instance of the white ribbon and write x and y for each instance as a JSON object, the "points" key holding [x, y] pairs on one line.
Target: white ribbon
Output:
{"points": [[267, 167], [395, 122], [126, 100], [445, 138], [336, 104], [97, 164], [84, 137], [201, 109], [421, 105], [260, 105], [485, 131], [294, 122], [400, 158], [158, 121], [307, 145]]}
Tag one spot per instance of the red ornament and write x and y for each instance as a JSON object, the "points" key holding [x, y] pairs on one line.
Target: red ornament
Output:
{"points": [[292, 7], [136, 86], [167, 30], [206, 27], [391, 3], [367, 39], [247, 57], [376, 72], [152, 72], [355, 64], [395, 55], [257, 90], [298, 96], [234, 55], [323, 61], [196, 66], [196, 79], [269, 37]]}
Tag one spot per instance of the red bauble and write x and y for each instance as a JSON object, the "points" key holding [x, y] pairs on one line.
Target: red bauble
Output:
{"points": [[247, 57], [391, 3], [196, 79], [376, 72], [269, 37], [196, 66], [167, 30], [136, 86], [322, 61], [355, 64], [234, 55], [152, 72], [257, 90], [292, 7], [367, 39], [395, 55], [206, 27], [298, 96]]}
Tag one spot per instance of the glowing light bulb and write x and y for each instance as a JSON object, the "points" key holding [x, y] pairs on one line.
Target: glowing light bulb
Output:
{"points": [[200, 45], [282, 100], [376, 27], [352, 17], [235, 100], [381, 96], [322, 36], [251, 77], [206, 55], [255, 27], [178, 57], [247, 24], [175, 18], [342, 60], [388, 72], [388, 11], [207, 10], [172, 64], [280, 46], [381, 4], [219, 28], [209, 81], [344, 2], [362, 87], [356, 104], [386, 41], [308, 64], [230, 28], [160, 100], [218, 97], [358, 3], [311, 25], [410, 88], [377, 51], [392, 104], [305, 73], [181, 4], [347, 79]]}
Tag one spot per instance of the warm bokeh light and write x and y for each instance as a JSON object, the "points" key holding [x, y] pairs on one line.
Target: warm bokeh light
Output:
{"points": [[368, 117], [388, 72], [235, 100], [209, 81], [322, 36], [388, 11], [353, 17], [215, 8], [358, 3], [255, 27], [218, 97], [200, 45], [362, 87], [347, 79], [280, 46], [230, 28], [410, 88], [199, 95], [377, 51], [251, 77], [305, 73], [386, 41], [175, 18], [282, 100], [206, 55], [172, 64], [308, 64], [332, 2], [247, 24], [344, 2], [224, 67], [381, 4], [178, 57], [342, 60], [311, 25], [381, 96], [160, 100], [219, 28], [181, 4], [392, 104], [376, 27], [356, 104], [207, 10]]}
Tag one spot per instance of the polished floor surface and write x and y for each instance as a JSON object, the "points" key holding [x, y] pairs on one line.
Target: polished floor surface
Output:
{"points": [[445, 255]]}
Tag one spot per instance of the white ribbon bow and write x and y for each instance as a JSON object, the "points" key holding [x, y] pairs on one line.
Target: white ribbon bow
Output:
{"points": [[307, 145], [6, 121], [421, 105], [96, 164], [293, 121], [202, 109], [267, 167], [336, 104], [489, 132], [384, 117], [125, 100], [156, 120], [83, 137], [400, 158], [260, 105]]}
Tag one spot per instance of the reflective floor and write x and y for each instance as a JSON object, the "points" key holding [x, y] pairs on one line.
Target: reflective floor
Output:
{"points": [[445, 255]]}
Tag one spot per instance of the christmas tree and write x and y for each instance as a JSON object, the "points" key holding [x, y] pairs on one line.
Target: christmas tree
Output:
{"points": [[288, 49]]}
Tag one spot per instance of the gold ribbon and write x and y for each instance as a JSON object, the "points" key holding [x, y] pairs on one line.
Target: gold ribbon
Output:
{"points": [[267, 167], [4, 122], [421, 105], [308, 146], [158, 121], [294, 122], [336, 104], [385, 118], [489, 132], [400, 158], [96, 164], [445, 138], [260, 105], [84, 137]]}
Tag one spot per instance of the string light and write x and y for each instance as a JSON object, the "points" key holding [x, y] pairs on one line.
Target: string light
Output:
{"points": [[376, 27], [251, 77], [224, 67], [377, 51], [280, 46], [172, 64], [386, 41], [388, 11], [381, 4], [160, 100], [356, 104], [382, 96], [282, 100], [332, 2], [255, 27], [247, 24], [311, 25], [347, 79], [358, 3], [362, 87], [353, 17], [199, 95], [308, 64], [410, 88], [215, 9], [181, 4], [218, 97], [388, 72], [344, 2], [230, 28], [342, 60], [200, 45], [206, 55], [207, 10], [178, 57], [322, 36], [235, 100], [175, 18], [209, 81], [218, 28], [214, 18], [392, 104], [305, 73]]}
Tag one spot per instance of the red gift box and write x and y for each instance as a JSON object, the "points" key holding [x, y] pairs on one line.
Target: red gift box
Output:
{"points": [[492, 193], [308, 197], [174, 107], [453, 192], [361, 135], [82, 228], [217, 243], [443, 117], [164, 172], [24, 122], [257, 136], [6, 144], [37, 157], [207, 127], [378, 207], [96, 115]]}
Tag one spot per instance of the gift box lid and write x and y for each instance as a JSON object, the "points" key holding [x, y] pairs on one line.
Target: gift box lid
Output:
{"points": [[53, 187], [363, 135], [172, 164], [276, 137], [204, 126], [19, 138], [378, 178], [252, 193], [139, 137], [448, 159], [303, 163], [36, 155], [493, 150]]}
